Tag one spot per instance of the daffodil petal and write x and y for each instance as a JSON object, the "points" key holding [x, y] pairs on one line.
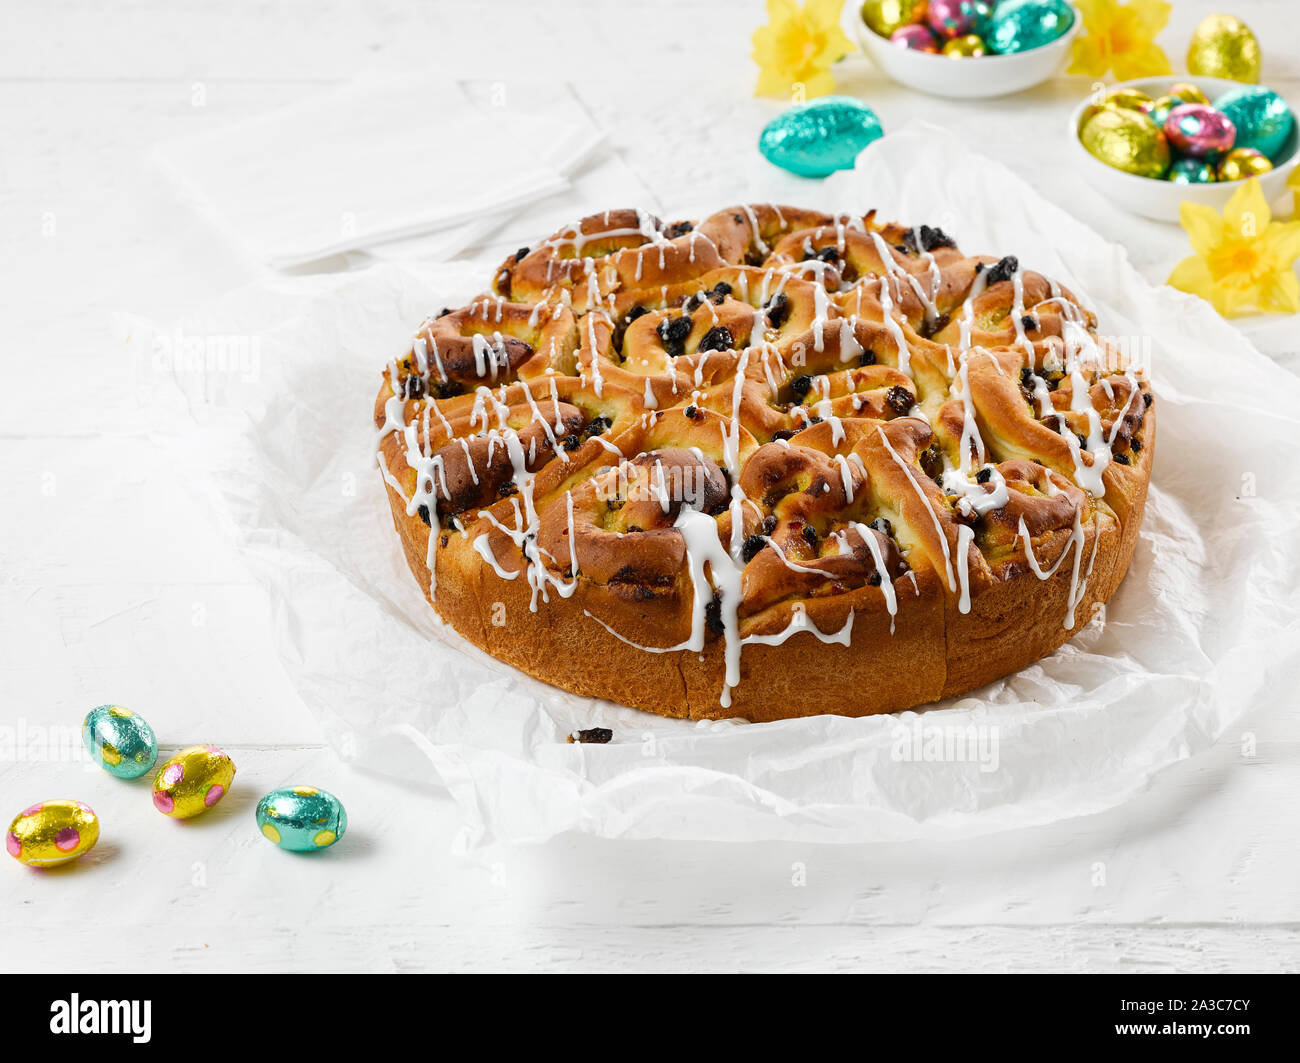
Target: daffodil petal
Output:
{"points": [[1086, 57], [1247, 212], [1203, 224], [1149, 62], [1095, 12], [1279, 293], [821, 84], [1192, 275], [1281, 243], [1151, 14]]}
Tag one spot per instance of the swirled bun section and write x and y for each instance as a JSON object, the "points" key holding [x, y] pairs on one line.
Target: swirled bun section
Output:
{"points": [[769, 464]]}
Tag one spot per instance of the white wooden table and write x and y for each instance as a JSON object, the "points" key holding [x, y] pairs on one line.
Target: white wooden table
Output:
{"points": [[110, 590]]}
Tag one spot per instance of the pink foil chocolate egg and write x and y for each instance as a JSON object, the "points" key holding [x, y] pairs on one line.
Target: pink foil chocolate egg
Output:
{"points": [[956, 18], [915, 38], [1199, 130]]}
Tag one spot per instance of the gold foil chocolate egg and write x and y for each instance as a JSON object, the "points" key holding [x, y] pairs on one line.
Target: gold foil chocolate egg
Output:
{"points": [[1117, 100], [1127, 99], [1187, 92], [885, 16], [192, 781], [1128, 141], [1243, 162], [967, 46], [1224, 47], [52, 833]]}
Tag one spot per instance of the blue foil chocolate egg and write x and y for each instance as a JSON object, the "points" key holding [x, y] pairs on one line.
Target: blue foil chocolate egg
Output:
{"points": [[119, 741], [1262, 117], [1019, 25], [301, 818], [817, 138], [1189, 171]]}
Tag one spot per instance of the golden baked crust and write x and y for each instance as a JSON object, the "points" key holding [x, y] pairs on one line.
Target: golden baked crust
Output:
{"points": [[776, 464]]}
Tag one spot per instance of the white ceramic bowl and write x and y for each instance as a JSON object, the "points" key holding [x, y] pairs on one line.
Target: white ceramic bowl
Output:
{"points": [[1153, 198], [944, 75]]}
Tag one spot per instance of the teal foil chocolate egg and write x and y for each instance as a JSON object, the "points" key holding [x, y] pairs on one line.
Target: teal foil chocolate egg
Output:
{"points": [[1019, 25], [301, 818], [119, 741], [1262, 117], [816, 139], [1189, 171]]}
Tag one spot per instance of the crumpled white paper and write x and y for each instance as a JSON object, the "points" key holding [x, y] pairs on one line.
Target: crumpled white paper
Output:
{"points": [[1205, 624]]}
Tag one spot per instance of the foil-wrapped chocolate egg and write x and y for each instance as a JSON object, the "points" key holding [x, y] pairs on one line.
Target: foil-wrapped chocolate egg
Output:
{"points": [[1263, 119], [1127, 140], [1189, 171], [119, 741], [192, 781], [1187, 92], [301, 818], [915, 39], [957, 18], [1020, 25], [817, 138], [971, 45], [52, 833], [1196, 129], [1243, 162], [1224, 47], [885, 16], [1117, 100], [1158, 109], [1127, 99]]}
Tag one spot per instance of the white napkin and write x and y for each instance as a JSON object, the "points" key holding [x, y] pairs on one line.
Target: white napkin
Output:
{"points": [[380, 160], [1207, 620], [601, 177]]}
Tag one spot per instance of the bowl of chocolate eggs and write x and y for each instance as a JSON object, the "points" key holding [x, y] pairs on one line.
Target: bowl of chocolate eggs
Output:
{"points": [[1151, 144], [968, 48]]}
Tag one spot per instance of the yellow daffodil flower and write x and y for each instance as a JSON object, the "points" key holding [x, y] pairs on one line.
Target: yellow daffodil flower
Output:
{"points": [[1120, 37], [1243, 260], [795, 50]]}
